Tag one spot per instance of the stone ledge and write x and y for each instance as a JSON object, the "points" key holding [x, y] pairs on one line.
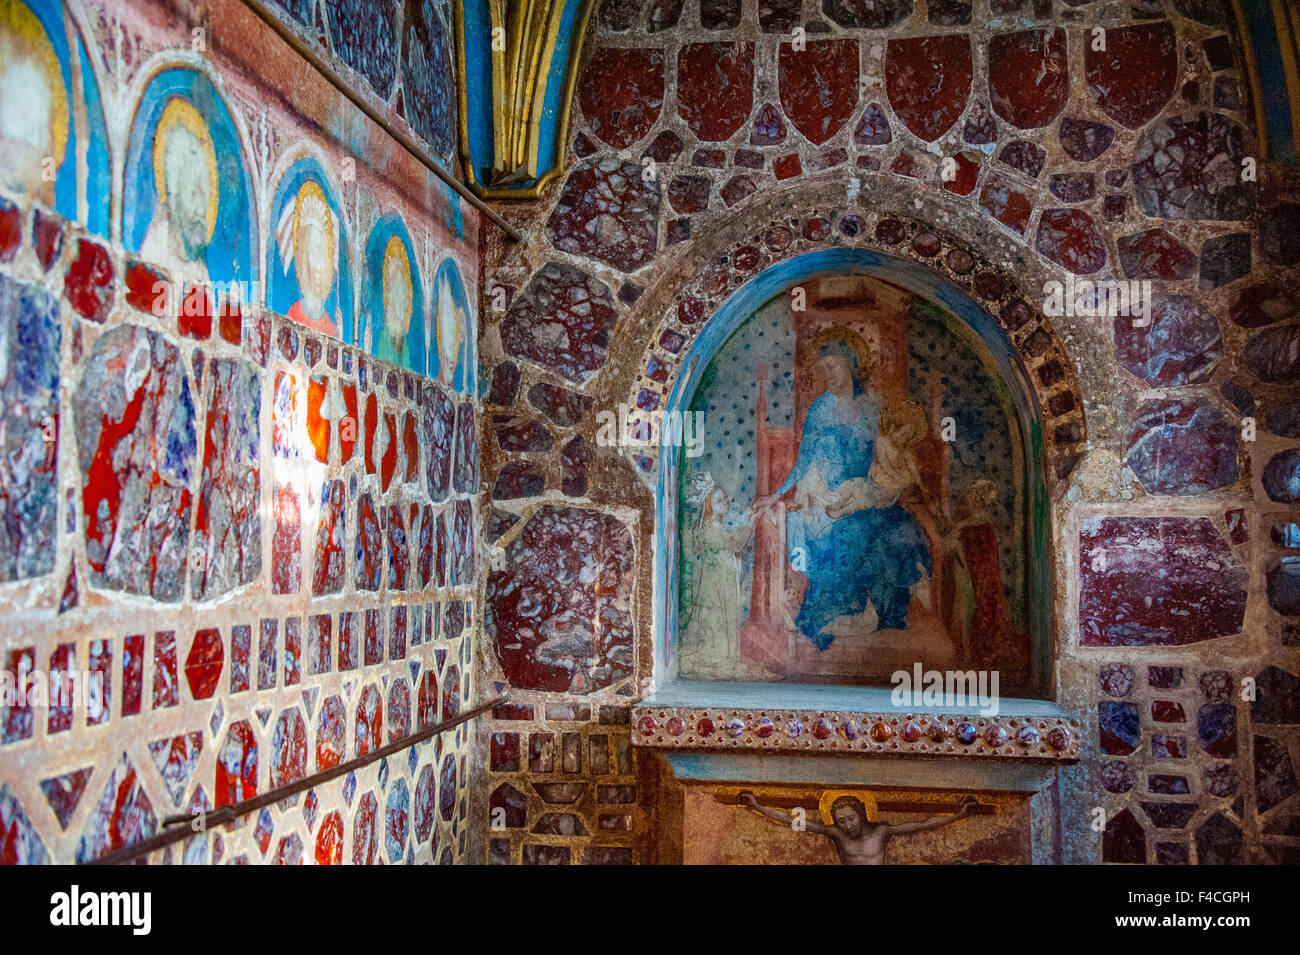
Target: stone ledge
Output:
{"points": [[1035, 730]]}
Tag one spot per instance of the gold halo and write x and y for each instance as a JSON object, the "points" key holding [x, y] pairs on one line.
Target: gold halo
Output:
{"points": [[181, 112], [311, 189], [905, 411], [20, 27], [828, 798], [843, 333], [396, 248]]}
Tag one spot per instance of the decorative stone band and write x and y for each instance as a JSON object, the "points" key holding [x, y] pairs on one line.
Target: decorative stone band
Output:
{"points": [[1005, 736]]}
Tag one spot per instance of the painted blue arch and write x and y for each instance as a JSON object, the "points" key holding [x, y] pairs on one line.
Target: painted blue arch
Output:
{"points": [[373, 305], [922, 282], [461, 378], [282, 285], [86, 130], [229, 255]]}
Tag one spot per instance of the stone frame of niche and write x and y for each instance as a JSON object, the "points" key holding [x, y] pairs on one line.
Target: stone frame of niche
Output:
{"points": [[680, 714]]}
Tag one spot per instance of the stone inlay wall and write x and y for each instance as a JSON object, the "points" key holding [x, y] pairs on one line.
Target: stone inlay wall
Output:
{"points": [[260, 537], [399, 54], [1170, 449]]}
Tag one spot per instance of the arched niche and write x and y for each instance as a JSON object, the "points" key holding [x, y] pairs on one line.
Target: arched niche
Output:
{"points": [[965, 321]]}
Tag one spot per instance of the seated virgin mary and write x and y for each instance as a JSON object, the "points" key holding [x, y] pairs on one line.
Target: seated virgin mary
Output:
{"points": [[858, 555]]}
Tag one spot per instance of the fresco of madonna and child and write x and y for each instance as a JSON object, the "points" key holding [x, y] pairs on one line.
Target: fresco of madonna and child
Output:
{"points": [[830, 533]]}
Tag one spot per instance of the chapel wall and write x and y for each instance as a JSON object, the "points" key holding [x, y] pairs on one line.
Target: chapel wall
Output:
{"points": [[255, 523], [1160, 489]]}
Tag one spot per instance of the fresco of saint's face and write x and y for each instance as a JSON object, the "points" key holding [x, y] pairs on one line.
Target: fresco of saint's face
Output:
{"points": [[398, 301], [450, 320], [33, 107], [185, 176], [308, 239], [314, 250]]}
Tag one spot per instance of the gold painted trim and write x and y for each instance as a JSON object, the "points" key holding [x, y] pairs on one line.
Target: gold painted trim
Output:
{"points": [[1288, 40], [1287, 44], [1252, 77], [532, 103]]}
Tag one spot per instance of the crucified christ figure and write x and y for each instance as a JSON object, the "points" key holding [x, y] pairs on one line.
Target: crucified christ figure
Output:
{"points": [[858, 840]]}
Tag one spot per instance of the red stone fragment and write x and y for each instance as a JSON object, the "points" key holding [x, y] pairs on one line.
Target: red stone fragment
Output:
{"points": [[1155, 254], [47, 238], [787, 167], [817, 229], [147, 289], [11, 231], [369, 724], [330, 540], [577, 641], [1157, 582], [1134, 76], [911, 165], [348, 423], [819, 86], [690, 310], [965, 173], [236, 778], [928, 80], [715, 88], [365, 846], [89, 282], [621, 93], [890, 231], [689, 193], [1004, 201], [166, 689], [230, 321], [1028, 76], [388, 461], [1069, 238], [737, 188], [746, 258], [329, 840], [289, 748], [665, 147], [204, 662], [608, 211], [318, 429], [196, 313], [1179, 345]]}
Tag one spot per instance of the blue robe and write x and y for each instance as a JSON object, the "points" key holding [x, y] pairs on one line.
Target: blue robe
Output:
{"points": [[870, 554]]}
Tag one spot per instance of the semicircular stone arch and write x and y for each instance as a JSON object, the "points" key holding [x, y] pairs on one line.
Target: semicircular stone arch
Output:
{"points": [[932, 262]]}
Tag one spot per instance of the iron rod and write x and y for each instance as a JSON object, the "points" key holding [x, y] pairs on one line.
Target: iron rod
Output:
{"points": [[375, 117], [175, 832]]}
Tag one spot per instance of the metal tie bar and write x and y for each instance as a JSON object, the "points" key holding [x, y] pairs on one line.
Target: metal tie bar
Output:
{"points": [[174, 831], [375, 117]]}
